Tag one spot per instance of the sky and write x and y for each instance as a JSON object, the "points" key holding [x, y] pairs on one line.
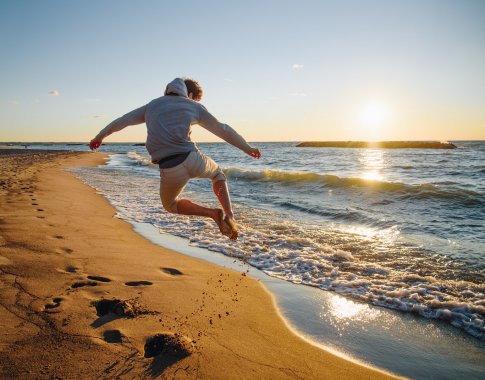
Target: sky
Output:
{"points": [[273, 70]]}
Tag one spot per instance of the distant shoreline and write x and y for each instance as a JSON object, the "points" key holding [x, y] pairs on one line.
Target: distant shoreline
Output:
{"points": [[380, 144]]}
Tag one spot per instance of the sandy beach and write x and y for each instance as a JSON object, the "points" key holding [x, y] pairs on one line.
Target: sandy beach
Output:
{"points": [[83, 296]]}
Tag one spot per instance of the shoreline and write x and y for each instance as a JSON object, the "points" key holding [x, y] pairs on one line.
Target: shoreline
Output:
{"points": [[62, 251]]}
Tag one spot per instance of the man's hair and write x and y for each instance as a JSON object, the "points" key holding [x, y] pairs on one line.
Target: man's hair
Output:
{"points": [[194, 87]]}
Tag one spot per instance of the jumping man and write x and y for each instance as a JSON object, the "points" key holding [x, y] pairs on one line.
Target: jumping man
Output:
{"points": [[169, 121]]}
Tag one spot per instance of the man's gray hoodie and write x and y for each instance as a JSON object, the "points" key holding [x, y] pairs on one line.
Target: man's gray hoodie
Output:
{"points": [[169, 120]]}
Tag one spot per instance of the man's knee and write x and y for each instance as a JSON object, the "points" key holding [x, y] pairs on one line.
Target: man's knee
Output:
{"points": [[170, 205], [220, 176]]}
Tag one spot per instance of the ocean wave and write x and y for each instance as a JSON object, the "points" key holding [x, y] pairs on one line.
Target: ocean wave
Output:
{"points": [[423, 191], [309, 210], [139, 159], [346, 216]]}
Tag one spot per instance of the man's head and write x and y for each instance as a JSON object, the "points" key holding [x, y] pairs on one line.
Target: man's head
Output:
{"points": [[193, 89]]}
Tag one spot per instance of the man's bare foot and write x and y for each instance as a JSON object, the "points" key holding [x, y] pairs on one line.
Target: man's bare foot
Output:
{"points": [[224, 227], [231, 222]]}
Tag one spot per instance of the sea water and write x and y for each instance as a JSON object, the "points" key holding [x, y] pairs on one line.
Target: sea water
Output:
{"points": [[401, 229]]}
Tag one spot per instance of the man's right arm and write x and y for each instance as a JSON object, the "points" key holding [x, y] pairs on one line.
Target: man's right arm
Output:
{"points": [[134, 117], [131, 118]]}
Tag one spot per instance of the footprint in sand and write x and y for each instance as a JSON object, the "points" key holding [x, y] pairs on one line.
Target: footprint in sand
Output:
{"points": [[113, 336], [171, 271], [116, 307], [50, 307], [105, 307], [99, 278], [71, 269], [64, 250], [138, 283], [81, 284], [40, 209], [174, 345]]}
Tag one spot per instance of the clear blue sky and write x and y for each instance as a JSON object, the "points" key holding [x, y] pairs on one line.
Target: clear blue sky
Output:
{"points": [[274, 70]]}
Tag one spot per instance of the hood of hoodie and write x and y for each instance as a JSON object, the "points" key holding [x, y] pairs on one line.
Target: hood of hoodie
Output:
{"points": [[178, 87]]}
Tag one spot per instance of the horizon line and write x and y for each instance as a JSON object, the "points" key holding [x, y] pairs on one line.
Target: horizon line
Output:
{"points": [[222, 142]]}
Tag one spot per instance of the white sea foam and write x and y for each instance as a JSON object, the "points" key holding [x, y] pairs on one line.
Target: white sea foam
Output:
{"points": [[140, 159]]}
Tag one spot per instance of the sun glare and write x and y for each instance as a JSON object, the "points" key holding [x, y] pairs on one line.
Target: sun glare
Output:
{"points": [[374, 116]]}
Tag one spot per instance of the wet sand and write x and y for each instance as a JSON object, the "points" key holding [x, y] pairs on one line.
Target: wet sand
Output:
{"points": [[83, 296]]}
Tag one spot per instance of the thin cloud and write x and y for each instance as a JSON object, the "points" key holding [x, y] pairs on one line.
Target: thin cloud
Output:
{"points": [[99, 116], [298, 94], [54, 93], [14, 103], [297, 66], [229, 80]]}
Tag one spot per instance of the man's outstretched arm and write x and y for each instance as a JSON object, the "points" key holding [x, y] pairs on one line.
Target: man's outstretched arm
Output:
{"points": [[226, 133], [131, 118]]}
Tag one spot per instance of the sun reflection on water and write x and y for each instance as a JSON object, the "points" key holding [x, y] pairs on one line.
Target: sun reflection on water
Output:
{"points": [[372, 176], [387, 234], [342, 308], [345, 315], [372, 163], [365, 232]]}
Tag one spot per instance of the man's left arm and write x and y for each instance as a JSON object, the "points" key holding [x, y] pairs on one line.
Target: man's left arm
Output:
{"points": [[225, 132]]}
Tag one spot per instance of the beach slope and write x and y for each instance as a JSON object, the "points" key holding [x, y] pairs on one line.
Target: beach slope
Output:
{"points": [[83, 296]]}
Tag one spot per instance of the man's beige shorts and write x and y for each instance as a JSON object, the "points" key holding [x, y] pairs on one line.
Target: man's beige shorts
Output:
{"points": [[173, 180]]}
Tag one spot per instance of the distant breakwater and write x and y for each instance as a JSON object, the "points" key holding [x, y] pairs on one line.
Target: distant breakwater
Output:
{"points": [[379, 144]]}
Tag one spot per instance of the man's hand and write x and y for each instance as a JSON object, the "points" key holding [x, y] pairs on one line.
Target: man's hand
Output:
{"points": [[254, 152], [95, 143]]}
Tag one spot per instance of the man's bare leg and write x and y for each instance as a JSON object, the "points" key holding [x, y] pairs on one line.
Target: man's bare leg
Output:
{"points": [[222, 193], [186, 207], [226, 225]]}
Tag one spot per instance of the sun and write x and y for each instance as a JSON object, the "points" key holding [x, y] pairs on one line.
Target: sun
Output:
{"points": [[374, 117], [374, 114]]}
